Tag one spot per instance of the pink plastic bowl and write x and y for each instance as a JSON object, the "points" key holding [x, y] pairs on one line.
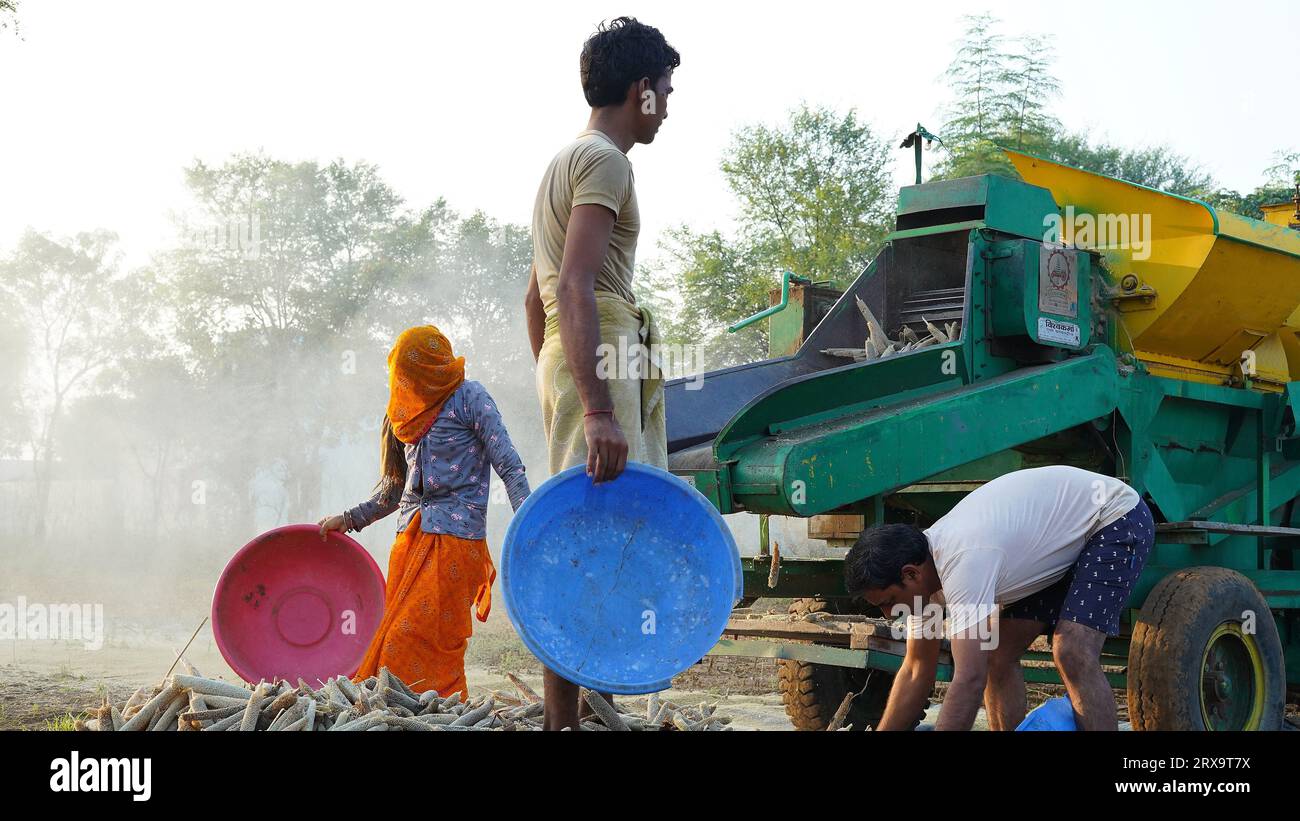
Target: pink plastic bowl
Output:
{"points": [[291, 606]]}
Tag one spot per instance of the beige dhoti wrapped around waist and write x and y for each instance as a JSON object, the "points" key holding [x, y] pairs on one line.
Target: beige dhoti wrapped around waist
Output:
{"points": [[624, 362]]}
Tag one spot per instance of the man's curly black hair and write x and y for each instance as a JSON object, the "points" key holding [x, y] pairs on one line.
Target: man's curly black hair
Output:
{"points": [[878, 558], [620, 53]]}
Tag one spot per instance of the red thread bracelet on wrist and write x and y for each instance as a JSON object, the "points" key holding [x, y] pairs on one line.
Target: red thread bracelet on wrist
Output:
{"points": [[597, 413]]}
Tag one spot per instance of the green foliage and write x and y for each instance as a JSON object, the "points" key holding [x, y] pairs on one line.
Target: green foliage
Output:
{"points": [[13, 423], [9, 15], [481, 274], [268, 298], [979, 77], [1249, 204], [1285, 170], [72, 313], [238, 359], [286, 251], [1001, 93], [715, 281], [65, 723], [1031, 86], [815, 191], [1156, 167], [815, 197], [1280, 181]]}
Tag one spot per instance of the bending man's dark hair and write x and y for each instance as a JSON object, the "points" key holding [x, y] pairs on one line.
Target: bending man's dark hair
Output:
{"points": [[878, 558], [620, 53]]}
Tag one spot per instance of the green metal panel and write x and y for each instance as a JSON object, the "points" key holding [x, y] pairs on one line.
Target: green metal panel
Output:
{"points": [[714, 485], [785, 330], [805, 470], [806, 305], [797, 579], [1000, 203], [862, 659], [1041, 293], [833, 394]]}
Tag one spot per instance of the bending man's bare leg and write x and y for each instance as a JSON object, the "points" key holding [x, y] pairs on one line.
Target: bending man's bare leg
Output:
{"points": [[1004, 692], [1077, 652]]}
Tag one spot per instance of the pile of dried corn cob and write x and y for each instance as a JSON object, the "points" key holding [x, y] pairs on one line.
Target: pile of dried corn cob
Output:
{"points": [[879, 346], [188, 702]]}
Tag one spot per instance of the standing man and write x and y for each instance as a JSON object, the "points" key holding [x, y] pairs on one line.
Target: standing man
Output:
{"points": [[601, 405], [1055, 548]]}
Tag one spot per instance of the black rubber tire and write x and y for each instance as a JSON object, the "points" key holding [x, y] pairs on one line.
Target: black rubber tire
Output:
{"points": [[1170, 640], [812, 693]]}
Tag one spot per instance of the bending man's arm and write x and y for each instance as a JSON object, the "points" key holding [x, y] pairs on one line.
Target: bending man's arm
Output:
{"points": [[970, 593], [970, 668], [912, 685], [585, 245]]}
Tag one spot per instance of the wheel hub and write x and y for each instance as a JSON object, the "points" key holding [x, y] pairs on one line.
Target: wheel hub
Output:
{"points": [[1232, 680]]}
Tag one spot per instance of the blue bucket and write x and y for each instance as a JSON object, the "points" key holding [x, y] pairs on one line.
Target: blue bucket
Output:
{"points": [[1053, 714], [619, 586]]}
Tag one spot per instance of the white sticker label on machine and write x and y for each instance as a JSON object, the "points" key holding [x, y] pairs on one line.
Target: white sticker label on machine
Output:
{"points": [[1058, 283], [1062, 333]]}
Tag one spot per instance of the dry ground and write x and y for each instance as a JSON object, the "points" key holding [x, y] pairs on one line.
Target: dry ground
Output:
{"points": [[44, 685]]}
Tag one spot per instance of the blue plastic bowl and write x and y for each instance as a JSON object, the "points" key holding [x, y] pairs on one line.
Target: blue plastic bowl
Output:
{"points": [[1053, 714], [620, 586]]}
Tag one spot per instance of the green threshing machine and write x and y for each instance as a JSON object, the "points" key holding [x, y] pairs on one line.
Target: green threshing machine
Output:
{"points": [[1166, 354]]}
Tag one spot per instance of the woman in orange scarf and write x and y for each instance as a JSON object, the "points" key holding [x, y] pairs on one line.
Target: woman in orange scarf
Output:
{"points": [[439, 436]]}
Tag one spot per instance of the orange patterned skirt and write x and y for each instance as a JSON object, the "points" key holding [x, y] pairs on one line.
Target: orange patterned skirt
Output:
{"points": [[433, 581]]}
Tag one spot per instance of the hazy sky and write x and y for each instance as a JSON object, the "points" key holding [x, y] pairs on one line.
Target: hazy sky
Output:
{"points": [[104, 103]]}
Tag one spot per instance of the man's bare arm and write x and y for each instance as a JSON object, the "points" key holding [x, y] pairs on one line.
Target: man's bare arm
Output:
{"points": [[585, 245], [970, 668], [912, 685], [535, 315]]}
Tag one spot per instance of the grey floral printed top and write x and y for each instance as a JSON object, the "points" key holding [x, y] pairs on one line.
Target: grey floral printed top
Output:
{"points": [[447, 470]]}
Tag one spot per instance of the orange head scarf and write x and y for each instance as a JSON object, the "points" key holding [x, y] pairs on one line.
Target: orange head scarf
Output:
{"points": [[422, 374]]}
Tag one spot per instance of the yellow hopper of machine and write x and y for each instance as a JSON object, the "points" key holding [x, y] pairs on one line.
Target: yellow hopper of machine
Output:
{"points": [[1203, 294]]}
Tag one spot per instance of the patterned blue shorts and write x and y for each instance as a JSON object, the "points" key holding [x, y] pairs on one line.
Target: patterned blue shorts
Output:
{"points": [[1096, 589]]}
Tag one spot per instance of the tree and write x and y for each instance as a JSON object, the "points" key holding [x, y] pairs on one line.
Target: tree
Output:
{"points": [[816, 193], [1285, 170], [209, 391], [815, 197], [475, 285], [1032, 87], [270, 296], [982, 81], [1002, 91], [296, 281], [14, 430], [9, 15], [719, 281], [469, 279], [1280, 181], [1156, 167], [143, 428], [69, 296]]}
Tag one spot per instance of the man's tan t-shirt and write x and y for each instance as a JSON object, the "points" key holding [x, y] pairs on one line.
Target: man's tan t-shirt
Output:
{"points": [[589, 170]]}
